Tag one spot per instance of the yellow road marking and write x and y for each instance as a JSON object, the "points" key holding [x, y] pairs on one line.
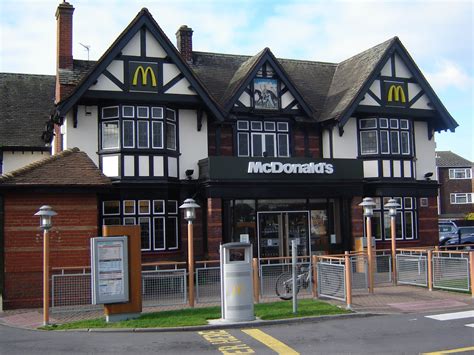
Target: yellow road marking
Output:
{"points": [[270, 341], [225, 342], [452, 351]]}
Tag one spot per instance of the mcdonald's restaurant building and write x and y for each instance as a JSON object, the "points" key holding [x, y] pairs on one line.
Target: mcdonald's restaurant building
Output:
{"points": [[272, 149]]}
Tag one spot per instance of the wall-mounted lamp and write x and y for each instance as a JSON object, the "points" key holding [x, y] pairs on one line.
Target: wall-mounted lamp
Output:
{"points": [[428, 176], [189, 174]]}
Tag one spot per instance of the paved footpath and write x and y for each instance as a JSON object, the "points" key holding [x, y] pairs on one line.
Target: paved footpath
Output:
{"points": [[384, 300]]}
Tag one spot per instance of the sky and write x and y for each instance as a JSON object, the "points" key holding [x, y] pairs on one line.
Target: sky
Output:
{"points": [[439, 35]]}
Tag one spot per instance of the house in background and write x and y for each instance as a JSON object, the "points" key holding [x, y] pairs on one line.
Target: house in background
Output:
{"points": [[26, 103], [272, 149], [456, 192]]}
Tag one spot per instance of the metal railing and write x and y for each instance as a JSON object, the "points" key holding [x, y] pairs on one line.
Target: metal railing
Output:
{"points": [[208, 281], [164, 284], [451, 270], [412, 267], [331, 278], [359, 268], [383, 267], [71, 290]]}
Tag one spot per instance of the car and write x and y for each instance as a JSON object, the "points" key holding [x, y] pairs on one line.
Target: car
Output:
{"points": [[447, 228], [465, 239]]}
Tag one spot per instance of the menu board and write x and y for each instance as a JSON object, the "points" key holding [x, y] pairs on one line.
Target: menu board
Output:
{"points": [[109, 261]]}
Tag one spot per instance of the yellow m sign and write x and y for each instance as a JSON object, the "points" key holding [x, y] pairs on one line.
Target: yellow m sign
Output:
{"points": [[237, 289], [144, 73], [396, 93]]}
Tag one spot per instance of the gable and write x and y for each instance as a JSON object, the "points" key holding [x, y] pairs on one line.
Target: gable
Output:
{"points": [[262, 85], [396, 87], [143, 64], [143, 67]]}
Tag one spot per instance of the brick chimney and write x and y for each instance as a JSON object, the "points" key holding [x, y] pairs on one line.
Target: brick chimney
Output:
{"points": [[64, 60], [64, 35], [184, 42]]}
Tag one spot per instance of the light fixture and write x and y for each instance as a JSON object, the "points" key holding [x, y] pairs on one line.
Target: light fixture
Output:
{"points": [[368, 204], [46, 213], [428, 176], [189, 207], [189, 174], [392, 207]]}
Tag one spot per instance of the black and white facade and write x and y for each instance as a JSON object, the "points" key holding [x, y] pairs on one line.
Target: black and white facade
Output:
{"points": [[272, 149]]}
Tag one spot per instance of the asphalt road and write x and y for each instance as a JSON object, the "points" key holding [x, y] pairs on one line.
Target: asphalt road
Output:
{"points": [[391, 334]]}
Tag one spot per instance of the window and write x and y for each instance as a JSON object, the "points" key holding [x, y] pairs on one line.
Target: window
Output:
{"points": [[384, 136], [262, 139], [110, 135], [405, 219], [158, 220], [461, 198], [138, 127], [460, 173]]}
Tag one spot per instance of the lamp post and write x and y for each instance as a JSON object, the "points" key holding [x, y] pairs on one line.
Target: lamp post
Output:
{"points": [[392, 206], [189, 207], [368, 205], [46, 213]]}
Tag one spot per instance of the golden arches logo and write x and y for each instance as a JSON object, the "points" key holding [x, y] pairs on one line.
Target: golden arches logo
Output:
{"points": [[396, 93], [237, 289], [144, 73]]}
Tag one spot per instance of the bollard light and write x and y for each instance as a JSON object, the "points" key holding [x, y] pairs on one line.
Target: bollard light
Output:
{"points": [[45, 213], [368, 205], [189, 207]]}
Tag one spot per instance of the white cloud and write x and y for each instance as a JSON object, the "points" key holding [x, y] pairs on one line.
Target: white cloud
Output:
{"points": [[449, 74]]}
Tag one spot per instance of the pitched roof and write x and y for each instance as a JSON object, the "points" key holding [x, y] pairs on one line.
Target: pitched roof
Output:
{"points": [[142, 19], [448, 159], [26, 102], [349, 78], [69, 168]]}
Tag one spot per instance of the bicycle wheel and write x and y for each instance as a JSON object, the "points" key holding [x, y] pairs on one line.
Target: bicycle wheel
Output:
{"points": [[284, 286]]}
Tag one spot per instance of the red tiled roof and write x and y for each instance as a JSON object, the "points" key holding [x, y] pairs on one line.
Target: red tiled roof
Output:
{"points": [[68, 168]]}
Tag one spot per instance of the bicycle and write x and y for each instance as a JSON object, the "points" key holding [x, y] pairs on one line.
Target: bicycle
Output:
{"points": [[284, 282]]}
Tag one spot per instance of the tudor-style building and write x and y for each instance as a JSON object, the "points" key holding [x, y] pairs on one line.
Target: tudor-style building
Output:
{"points": [[272, 149]]}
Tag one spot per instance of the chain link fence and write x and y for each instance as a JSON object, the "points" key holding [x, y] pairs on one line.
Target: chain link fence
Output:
{"points": [[412, 268], [383, 267], [451, 271], [164, 287]]}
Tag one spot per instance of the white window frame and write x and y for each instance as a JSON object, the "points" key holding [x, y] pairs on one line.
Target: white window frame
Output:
{"points": [[467, 172], [153, 123], [149, 232], [147, 132], [138, 207], [123, 133], [176, 232], [111, 117], [134, 207], [376, 141], [455, 197], [248, 144], [170, 123], [163, 236], [117, 143]]}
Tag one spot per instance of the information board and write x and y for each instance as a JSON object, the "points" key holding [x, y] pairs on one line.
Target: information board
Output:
{"points": [[109, 262]]}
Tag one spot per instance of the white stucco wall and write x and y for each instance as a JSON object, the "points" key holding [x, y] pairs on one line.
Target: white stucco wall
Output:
{"points": [[192, 143], [425, 150], [345, 146], [86, 135], [326, 144], [153, 48], [15, 160], [133, 46]]}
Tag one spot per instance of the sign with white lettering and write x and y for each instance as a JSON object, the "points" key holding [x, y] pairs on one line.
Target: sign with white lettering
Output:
{"points": [[280, 169]]}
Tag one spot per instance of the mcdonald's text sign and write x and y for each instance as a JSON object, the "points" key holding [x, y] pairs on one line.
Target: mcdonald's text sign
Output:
{"points": [[143, 76], [395, 93]]}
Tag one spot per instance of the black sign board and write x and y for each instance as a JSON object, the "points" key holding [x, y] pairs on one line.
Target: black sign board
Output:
{"points": [[281, 169], [143, 76]]}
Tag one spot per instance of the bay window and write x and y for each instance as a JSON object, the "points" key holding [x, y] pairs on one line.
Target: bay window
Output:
{"points": [[383, 136]]}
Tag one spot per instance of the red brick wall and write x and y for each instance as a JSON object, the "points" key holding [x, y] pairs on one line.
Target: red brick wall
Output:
{"points": [[214, 227], [313, 141], [74, 225], [427, 225], [226, 139], [452, 186]]}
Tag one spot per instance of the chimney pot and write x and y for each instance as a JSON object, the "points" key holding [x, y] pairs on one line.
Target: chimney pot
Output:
{"points": [[184, 40]]}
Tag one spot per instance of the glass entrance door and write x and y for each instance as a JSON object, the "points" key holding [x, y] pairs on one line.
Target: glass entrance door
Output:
{"points": [[277, 229]]}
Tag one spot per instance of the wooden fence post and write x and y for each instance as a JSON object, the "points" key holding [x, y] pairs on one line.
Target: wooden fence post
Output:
{"points": [[314, 262], [347, 262], [256, 283]]}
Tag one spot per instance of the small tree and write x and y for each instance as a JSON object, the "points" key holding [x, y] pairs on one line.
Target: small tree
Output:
{"points": [[469, 216]]}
